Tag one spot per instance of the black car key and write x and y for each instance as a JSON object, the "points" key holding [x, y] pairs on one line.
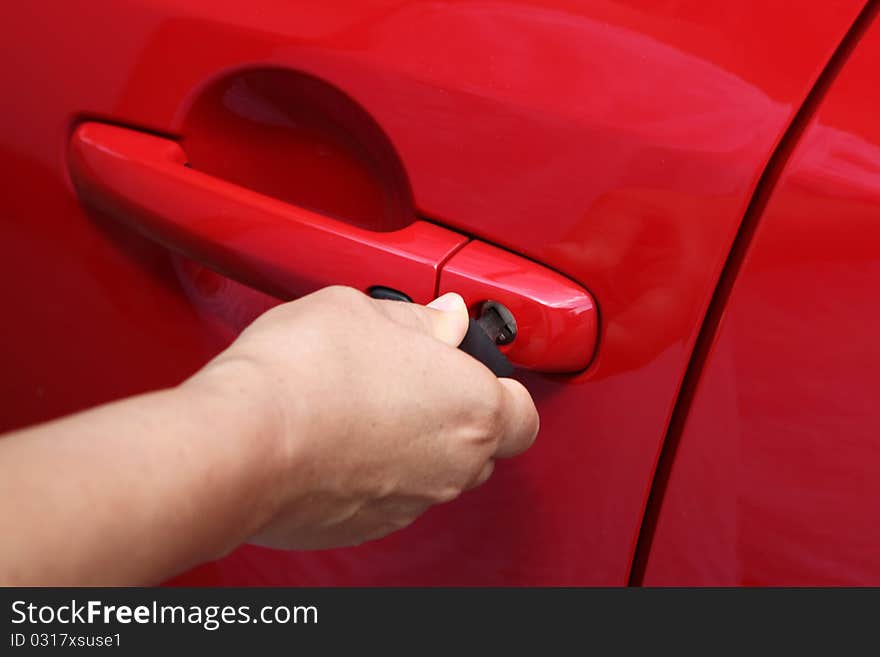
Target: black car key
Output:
{"points": [[483, 335]]}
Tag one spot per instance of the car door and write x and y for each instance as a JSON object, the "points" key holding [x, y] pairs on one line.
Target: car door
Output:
{"points": [[772, 478], [611, 145]]}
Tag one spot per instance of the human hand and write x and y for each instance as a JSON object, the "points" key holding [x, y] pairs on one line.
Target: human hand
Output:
{"points": [[377, 415]]}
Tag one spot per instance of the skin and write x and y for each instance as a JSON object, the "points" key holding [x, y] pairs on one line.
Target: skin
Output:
{"points": [[306, 433]]}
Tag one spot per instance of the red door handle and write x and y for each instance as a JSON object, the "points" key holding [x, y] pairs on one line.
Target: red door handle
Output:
{"points": [[142, 180], [274, 246]]}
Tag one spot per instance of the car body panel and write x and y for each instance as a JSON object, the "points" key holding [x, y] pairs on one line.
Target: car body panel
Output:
{"points": [[617, 143], [776, 476]]}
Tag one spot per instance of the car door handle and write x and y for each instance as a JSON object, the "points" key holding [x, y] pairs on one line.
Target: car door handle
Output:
{"points": [[143, 180]]}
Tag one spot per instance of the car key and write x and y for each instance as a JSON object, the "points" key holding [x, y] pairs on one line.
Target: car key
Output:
{"points": [[483, 334]]}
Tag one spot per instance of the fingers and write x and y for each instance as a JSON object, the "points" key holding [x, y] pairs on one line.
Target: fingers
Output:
{"points": [[445, 318], [451, 322], [483, 476], [519, 417]]}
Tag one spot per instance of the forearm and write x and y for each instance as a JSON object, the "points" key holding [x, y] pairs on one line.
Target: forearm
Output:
{"points": [[301, 435], [136, 491]]}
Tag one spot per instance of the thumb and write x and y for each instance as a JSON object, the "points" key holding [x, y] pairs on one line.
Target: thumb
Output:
{"points": [[445, 318], [451, 322]]}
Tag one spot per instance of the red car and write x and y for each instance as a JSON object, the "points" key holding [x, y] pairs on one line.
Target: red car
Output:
{"points": [[678, 201]]}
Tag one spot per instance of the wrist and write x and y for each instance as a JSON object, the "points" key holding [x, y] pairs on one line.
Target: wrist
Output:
{"points": [[236, 397]]}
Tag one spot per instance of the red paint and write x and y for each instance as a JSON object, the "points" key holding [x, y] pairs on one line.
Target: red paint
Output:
{"points": [[142, 181], [298, 139], [617, 143], [280, 248], [776, 478], [555, 318]]}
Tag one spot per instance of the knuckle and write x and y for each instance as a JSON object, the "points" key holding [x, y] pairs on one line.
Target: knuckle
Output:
{"points": [[341, 294], [491, 421], [408, 315], [447, 494], [419, 318], [481, 475], [403, 521]]}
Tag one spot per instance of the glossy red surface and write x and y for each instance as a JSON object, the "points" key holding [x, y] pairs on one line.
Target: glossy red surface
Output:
{"points": [[616, 142], [277, 247], [555, 318], [262, 128], [282, 249], [776, 478]]}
